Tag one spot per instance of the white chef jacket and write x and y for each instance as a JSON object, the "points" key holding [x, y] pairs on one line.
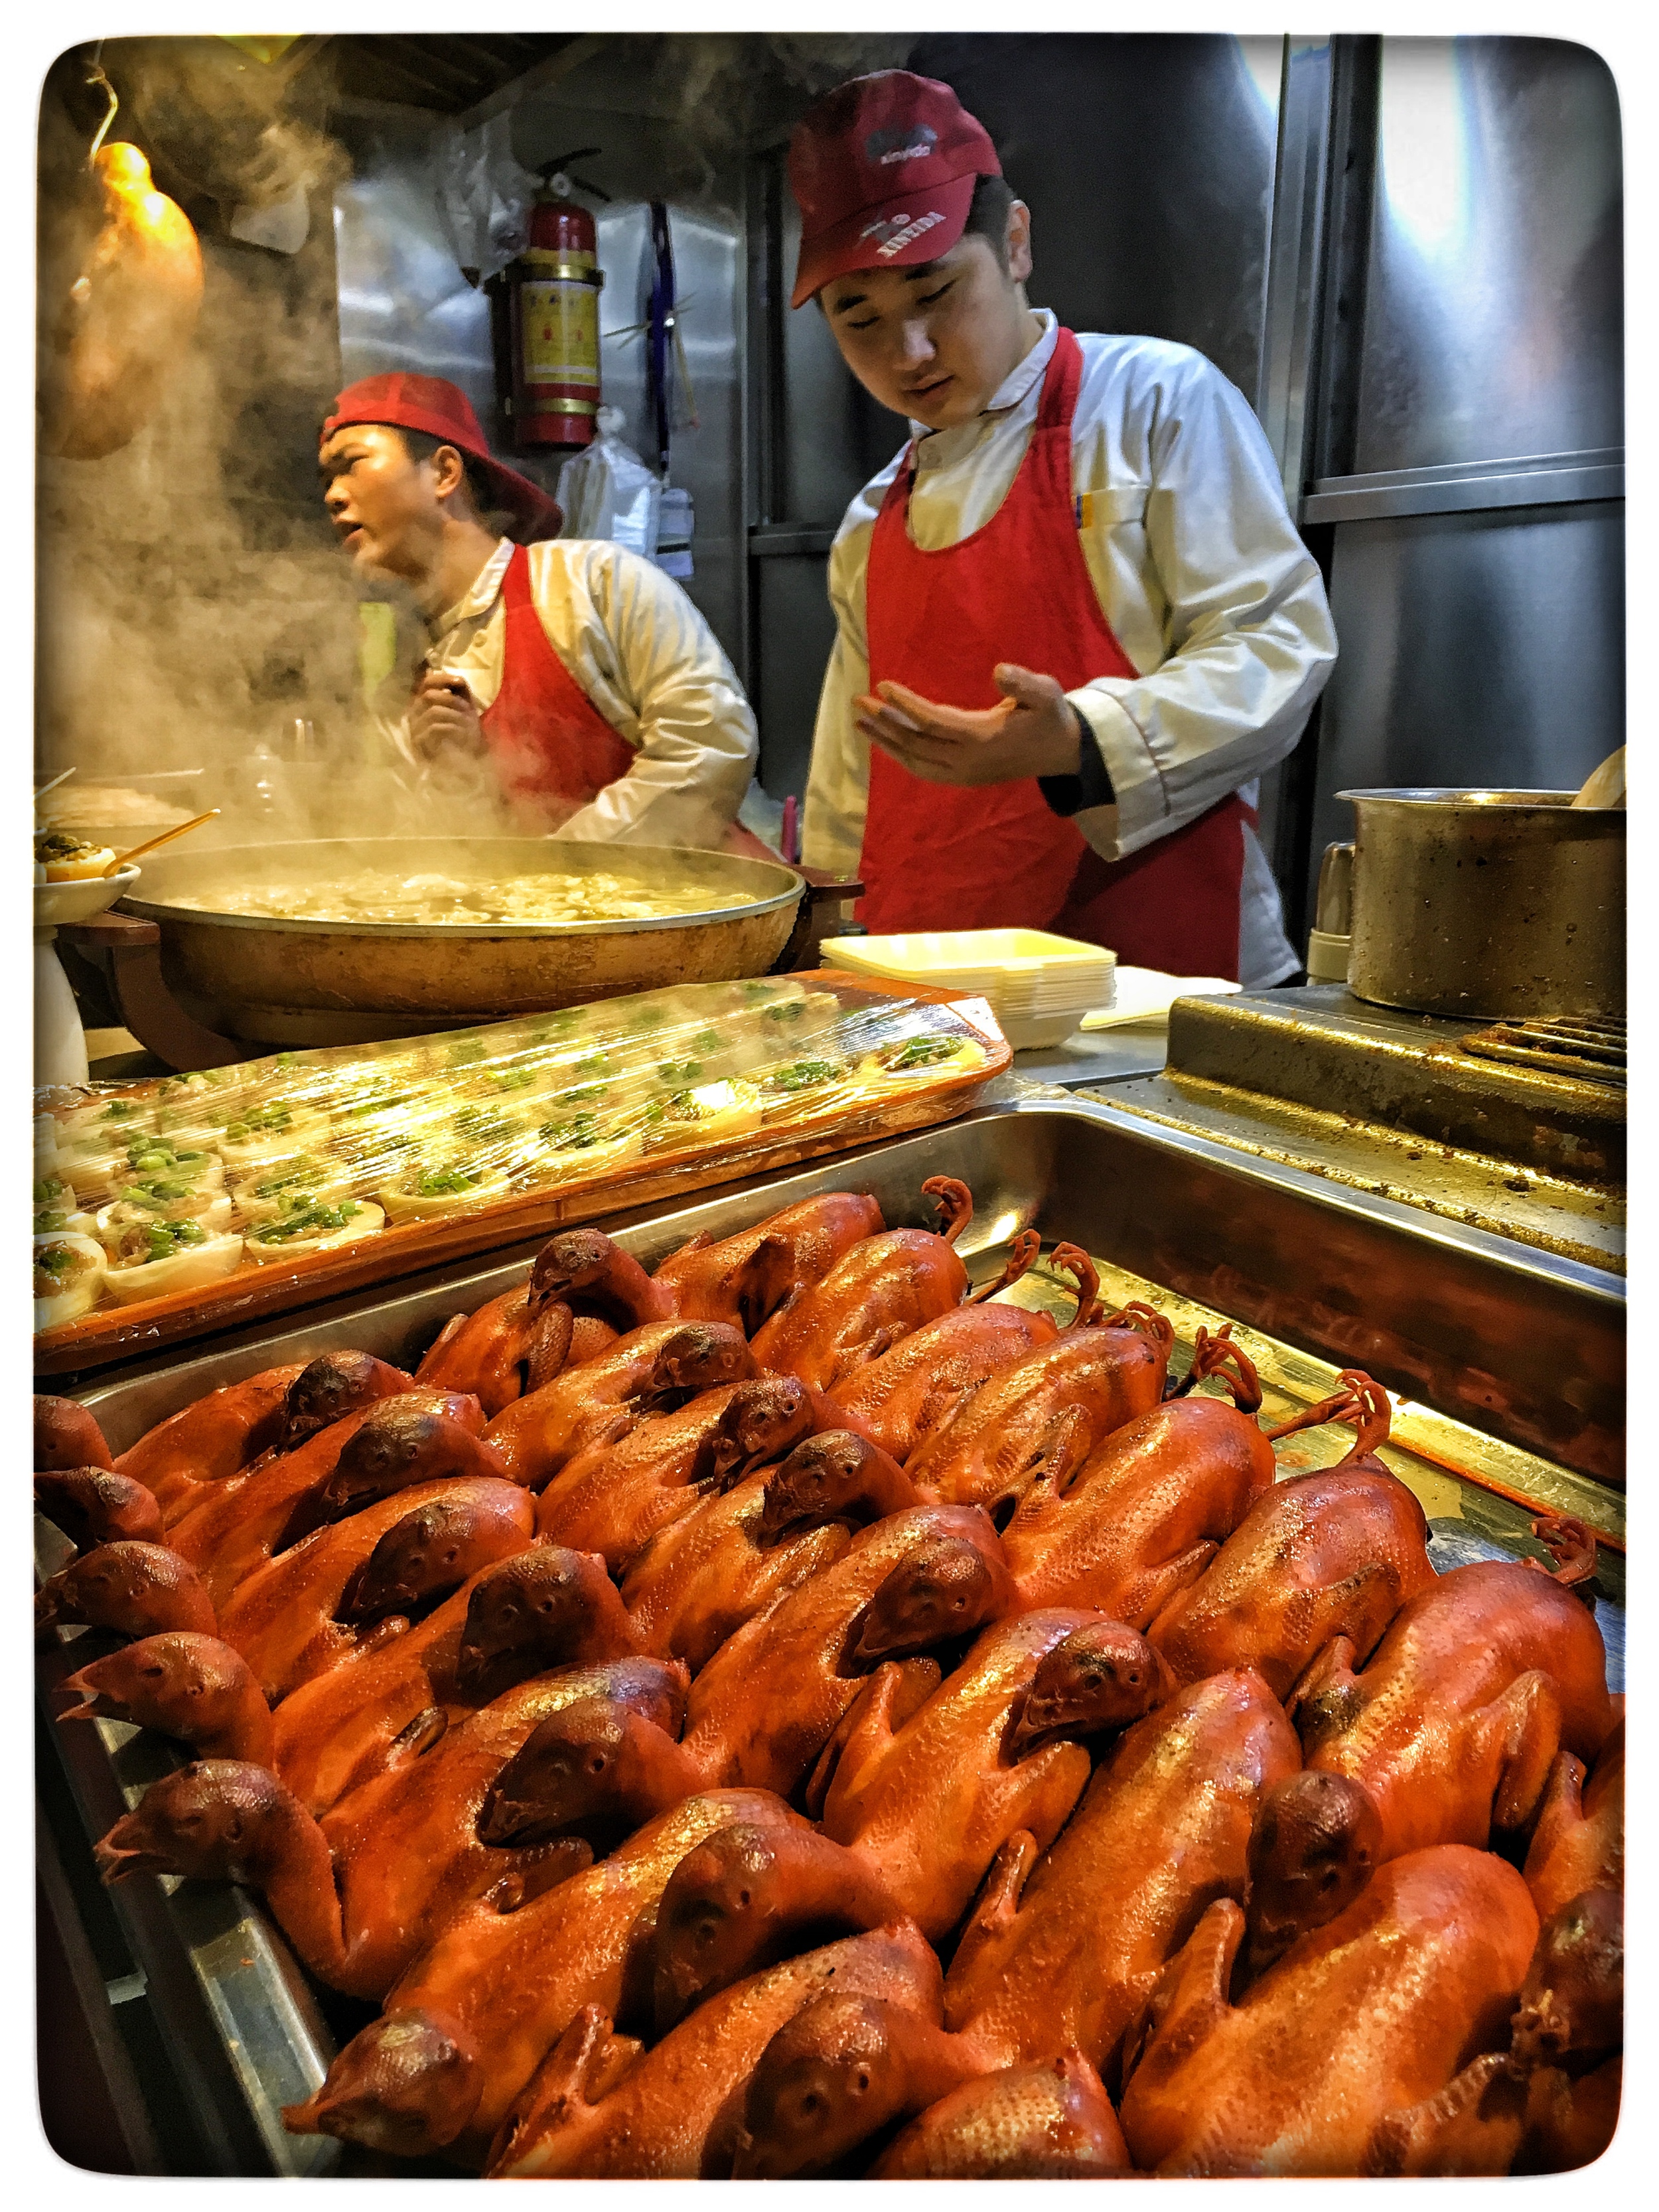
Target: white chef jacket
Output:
{"points": [[1198, 568], [645, 656]]}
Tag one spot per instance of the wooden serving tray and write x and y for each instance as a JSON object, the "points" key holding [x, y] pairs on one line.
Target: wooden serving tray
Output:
{"points": [[254, 1291]]}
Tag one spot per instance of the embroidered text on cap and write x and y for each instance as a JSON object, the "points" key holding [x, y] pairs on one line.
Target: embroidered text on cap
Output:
{"points": [[901, 145]]}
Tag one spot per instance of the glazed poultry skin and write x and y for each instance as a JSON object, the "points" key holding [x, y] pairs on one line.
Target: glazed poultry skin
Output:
{"points": [[1380, 2008], [1049, 2123], [762, 1708], [676, 2112], [794, 1609], [930, 1797], [921, 1785], [217, 1435], [1045, 1412], [1578, 1843], [1455, 1721], [286, 1617], [1144, 1515], [904, 1398], [700, 1577], [613, 1498], [1335, 1552], [650, 1370], [745, 1279], [1062, 1950], [337, 1730], [880, 1289], [356, 1921], [242, 1523], [1549, 2102], [468, 2025]]}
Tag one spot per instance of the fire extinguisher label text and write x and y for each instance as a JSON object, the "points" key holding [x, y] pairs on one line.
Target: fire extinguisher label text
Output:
{"points": [[560, 322]]}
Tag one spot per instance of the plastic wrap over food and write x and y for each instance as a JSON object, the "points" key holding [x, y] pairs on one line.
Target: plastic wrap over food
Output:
{"points": [[144, 1189]]}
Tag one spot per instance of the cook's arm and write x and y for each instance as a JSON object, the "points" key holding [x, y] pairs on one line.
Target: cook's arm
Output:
{"points": [[697, 745], [838, 781], [1250, 632]]}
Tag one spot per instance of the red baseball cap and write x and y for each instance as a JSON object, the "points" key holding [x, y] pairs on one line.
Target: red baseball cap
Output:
{"points": [[442, 410], [883, 170]]}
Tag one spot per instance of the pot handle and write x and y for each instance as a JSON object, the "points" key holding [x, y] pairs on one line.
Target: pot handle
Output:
{"points": [[1334, 906]]}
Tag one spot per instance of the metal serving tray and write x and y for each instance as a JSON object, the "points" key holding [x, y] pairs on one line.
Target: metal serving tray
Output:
{"points": [[1510, 1359]]}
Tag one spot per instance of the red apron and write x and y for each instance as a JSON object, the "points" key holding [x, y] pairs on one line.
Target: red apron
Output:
{"points": [[553, 750], [938, 856]]}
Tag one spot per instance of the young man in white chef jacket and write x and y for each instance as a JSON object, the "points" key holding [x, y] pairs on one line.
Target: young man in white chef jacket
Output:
{"points": [[1075, 621], [568, 679]]}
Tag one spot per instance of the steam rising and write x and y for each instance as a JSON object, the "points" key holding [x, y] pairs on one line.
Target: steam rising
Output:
{"points": [[192, 601], [727, 84]]}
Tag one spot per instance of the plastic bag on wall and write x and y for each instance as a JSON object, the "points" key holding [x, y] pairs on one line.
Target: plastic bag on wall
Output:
{"points": [[483, 195], [607, 491]]}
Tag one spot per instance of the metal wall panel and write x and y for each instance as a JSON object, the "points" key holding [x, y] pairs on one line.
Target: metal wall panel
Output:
{"points": [[835, 436], [1476, 648], [1148, 162], [792, 611], [654, 146], [403, 303], [1493, 291]]}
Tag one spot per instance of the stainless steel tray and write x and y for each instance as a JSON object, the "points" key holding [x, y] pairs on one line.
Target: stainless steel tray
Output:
{"points": [[1510, 1361]]}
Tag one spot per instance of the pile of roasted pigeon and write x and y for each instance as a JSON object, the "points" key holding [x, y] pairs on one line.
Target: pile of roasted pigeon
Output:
{"points": [[789, 1714]]}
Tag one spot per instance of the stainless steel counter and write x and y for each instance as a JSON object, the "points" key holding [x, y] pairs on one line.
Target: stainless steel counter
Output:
{"points": [[1095, 1056]]}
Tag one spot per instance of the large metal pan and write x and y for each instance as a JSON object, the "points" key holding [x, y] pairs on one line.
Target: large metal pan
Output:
{"points": [[1452, 1317], [286, 980]]}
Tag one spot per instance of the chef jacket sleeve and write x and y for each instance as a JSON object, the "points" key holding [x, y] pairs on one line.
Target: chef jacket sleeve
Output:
{"points": [[838, 781], [696, 746], [1250, 634]]}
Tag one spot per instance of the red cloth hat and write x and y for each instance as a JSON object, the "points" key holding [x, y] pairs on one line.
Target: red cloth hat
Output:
{"points": [[442, 410], [883, 170]]}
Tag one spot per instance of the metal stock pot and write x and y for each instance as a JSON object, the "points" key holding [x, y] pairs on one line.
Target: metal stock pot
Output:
{"points": [[1487, 903]]}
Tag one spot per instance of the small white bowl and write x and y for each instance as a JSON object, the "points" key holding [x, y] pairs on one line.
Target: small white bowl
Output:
{"points": [[190, 1269], [366, 1220], [84, 1294], [56, 904]]}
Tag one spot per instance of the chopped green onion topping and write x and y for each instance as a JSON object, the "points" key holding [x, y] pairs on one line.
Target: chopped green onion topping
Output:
{"points": [[573, 1136], [445, 1182], [306, 1220], [160, 1240], [302, 1172], [920, 1051], [61, 1263], [802, 1075]]}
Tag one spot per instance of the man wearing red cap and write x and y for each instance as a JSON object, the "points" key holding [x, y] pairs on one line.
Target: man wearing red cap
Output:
{"points": [[568, 676], [1074, 620]]}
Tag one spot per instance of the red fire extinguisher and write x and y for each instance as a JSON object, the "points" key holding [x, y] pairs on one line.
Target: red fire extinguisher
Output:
{"points": [[553, 316]]}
